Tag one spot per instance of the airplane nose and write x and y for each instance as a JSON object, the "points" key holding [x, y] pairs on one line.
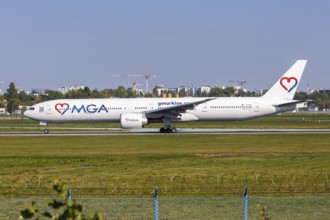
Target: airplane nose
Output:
{"points": [[26, 113]]}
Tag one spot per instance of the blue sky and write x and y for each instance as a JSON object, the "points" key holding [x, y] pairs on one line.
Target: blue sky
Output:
{"points": [[49, 44]]}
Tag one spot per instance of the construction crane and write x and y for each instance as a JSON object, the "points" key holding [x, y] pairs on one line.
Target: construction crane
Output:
{"points": [[122, 75], [134, 84], [146, 76], [239, 82]]}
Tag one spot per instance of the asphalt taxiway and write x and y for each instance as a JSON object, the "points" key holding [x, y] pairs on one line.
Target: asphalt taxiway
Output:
{"points": [[155, 131]]}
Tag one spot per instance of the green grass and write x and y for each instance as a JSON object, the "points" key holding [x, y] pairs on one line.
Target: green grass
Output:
{"points": [[179, 164]]}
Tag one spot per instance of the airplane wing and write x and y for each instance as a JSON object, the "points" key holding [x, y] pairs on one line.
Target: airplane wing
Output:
{"points": [[174, 110]]}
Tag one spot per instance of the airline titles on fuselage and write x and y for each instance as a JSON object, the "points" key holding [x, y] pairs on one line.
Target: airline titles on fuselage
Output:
{"points": [[63, 108]]}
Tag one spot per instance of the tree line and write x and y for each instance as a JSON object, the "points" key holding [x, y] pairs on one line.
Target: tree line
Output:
{"points": [[12, 99]]}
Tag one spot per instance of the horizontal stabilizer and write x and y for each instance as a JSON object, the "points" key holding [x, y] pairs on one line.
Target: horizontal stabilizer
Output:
{"points": [[290, 103]]}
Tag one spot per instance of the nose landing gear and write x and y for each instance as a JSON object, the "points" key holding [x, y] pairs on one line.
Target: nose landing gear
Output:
{"points": [[44, 124]]}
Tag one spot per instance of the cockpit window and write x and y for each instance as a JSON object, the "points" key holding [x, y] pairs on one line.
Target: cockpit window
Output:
{"points": [[31, 108]]}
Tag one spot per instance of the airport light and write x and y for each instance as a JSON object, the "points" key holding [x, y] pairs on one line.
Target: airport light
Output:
{"points": [[2, 83]]}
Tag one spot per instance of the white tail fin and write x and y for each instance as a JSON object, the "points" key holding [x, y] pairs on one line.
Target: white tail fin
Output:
{"points": [[286, 86]]}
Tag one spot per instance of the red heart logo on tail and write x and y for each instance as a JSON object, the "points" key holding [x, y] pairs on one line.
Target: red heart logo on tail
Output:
{"points": [[287, 84], [62, 108]]}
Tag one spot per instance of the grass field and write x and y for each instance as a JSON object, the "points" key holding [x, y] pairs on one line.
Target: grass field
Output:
{"points": [[274, 164], [178, 164]]}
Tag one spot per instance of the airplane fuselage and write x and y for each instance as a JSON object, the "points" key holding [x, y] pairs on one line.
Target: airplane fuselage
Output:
{"points": [[137, 112], [110, 110]]}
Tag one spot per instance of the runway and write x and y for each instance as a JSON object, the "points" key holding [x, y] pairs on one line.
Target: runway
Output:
{"points": [[155, 131]]}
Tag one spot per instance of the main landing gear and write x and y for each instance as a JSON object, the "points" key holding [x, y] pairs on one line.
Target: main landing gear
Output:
{"points": [[168, 126], [167, 130]]}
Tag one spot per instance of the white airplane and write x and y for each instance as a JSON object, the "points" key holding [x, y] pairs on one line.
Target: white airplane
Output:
{"points": [[137, 112]]}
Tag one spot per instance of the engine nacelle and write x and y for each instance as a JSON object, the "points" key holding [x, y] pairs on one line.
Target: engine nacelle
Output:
{"points": [[132, 120]]}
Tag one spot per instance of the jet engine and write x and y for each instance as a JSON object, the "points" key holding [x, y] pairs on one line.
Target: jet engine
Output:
{"points": [[132, 120]]}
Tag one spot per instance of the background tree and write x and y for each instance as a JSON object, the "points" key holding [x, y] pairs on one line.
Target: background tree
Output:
{"points": [[51, 95], [24, 97], [216, 92], [300, 96], [204, 94], [121, 92], [96, 94], [12, 98], [150, 95], [36, 99], [229, 91], [87, 93], [11, 92], [12, 105], [79, 94], [131, 93], [107, 93], [2, 104]]}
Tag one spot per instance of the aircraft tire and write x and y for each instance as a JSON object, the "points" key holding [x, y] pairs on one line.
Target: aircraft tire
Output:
{"points": [[168, 130]]}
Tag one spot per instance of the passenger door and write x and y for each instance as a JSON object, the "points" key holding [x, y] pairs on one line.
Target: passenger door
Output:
{"points": [[256, 107]]}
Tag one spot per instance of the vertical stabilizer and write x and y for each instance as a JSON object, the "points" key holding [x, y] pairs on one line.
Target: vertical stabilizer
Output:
{"points": [[286, 86]]}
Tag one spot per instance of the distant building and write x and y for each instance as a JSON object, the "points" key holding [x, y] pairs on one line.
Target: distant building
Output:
{"points": [[240, 88], [64, 90], [205, 89], [138, 92], [27, 92], [319, 90], [188, 90], [159, 89], [236, 88], [301, 107], [18, 112]]}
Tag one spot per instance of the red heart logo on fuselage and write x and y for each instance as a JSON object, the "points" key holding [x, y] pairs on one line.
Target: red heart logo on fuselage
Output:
{"points": [[62, 108]]}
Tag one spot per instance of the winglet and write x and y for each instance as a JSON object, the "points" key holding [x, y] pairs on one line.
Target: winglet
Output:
{"points": [[286, 86]]}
